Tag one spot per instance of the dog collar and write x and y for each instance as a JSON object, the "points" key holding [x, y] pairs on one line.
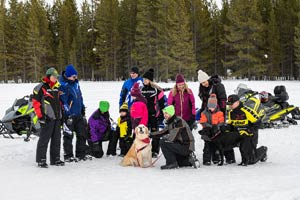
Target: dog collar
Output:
{"points": [[146, 140]]}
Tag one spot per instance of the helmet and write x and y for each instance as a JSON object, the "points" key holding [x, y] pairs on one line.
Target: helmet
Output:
{"points": [[264, 96]]}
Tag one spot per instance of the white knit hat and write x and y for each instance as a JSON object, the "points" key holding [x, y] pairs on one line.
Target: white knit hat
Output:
{"points": [[202, 76]]}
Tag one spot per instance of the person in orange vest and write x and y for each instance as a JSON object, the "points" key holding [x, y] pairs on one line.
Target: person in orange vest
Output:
{"points": [[211, 120]]}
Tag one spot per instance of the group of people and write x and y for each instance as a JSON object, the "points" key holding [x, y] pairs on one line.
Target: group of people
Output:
{"points": [[59, 103]]}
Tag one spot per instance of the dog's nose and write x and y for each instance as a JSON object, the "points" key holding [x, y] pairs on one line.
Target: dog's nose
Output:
{"points": [[141, 130]]}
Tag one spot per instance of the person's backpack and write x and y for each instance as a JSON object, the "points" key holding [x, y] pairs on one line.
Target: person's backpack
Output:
{"points": [[281, 93]]}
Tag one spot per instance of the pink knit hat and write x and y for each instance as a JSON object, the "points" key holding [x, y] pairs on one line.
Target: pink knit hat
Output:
{"points": [[135, 90], [180, 78]]}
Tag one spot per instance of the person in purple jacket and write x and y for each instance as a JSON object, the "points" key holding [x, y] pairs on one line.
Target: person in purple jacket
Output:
{"points": [[99, 124], [183, 100]]}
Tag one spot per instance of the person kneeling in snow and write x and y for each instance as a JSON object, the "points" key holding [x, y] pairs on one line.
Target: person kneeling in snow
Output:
{"points": [[242, 127], [99, 126], [177, 142]]}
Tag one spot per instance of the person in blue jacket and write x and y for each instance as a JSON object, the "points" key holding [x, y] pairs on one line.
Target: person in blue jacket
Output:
{"points": [[74, 115], [125, 96]]}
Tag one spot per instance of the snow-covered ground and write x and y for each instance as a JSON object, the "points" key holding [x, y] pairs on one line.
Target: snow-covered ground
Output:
{"points": [[278, 178]]}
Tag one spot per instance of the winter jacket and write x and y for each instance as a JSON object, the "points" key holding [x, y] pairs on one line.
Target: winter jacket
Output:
{"points": [[125, 91], [215, 87], [99, 123], [177, 131], [139, 112], [71, 96], [184, 104], [155, 99], [124, 126], [46, 101], [209, 119], [244, 120]]}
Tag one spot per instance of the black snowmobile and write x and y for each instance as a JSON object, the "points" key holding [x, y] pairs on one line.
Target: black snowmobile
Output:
{"points": [[20, 119], [274, 110]]}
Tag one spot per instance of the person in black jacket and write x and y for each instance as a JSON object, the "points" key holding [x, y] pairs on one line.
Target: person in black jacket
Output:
{"points": [[213, 85], [48, 109], [155, 103], [242, 126], [177, 141]]}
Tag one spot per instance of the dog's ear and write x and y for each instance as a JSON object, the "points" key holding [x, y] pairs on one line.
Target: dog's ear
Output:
{"points": [[136, 130]]}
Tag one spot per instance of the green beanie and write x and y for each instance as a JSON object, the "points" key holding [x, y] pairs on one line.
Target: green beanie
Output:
{"points": [[103, 106], [170, 110], [52, 72]]}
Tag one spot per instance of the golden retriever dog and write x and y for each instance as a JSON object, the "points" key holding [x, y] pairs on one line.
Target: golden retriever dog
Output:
{"points": [[139, 155]]}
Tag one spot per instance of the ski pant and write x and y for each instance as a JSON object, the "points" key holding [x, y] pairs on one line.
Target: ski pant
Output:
{"points": [[210, 152], [247, 144], [112, 145], [175, 153], [229, 155], [77, 126], [124, 146], [153, 126], [96, 149], [51, 130]]}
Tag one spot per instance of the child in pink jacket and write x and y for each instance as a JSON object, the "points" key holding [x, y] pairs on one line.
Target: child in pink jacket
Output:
{"points": [[138, 110]]}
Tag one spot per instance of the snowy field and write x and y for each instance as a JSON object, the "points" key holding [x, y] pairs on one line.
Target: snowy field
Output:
{"points": [[278, 178]]}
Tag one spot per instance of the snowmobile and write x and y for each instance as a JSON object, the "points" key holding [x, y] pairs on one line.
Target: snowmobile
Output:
{"points": [[20, 119], [273, 110]]}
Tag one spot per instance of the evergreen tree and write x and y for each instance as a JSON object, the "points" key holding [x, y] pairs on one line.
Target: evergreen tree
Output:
{"points": [[86, 40], [145, 51], [297, 45], [203, 35], [243, 38], [3, 67], [127, 27], [107, 41], [37, 41], [286, 13], [273, 55], [67, 31]]}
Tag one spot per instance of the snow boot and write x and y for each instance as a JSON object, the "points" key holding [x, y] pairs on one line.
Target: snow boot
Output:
{"points": [[42, 164], [193, 160], [71, 159], [170, 166], [58, 163], [206, 163]]}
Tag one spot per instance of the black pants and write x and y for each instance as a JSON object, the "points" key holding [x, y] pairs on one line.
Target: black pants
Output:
{"points": [[229, 155], [78, 126], [112, 145], [51, 130], [210, 152], [96, 149], [153, 126], [175, 153]]}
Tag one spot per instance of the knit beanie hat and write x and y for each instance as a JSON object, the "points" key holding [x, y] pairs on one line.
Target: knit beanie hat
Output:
{"points": [[232, 99], [180, 78], [135, 70], [212, 101], [202, 76], [70, 71], [124, 108], [103, 106], [52, 72], [135, 90], [170, 110], [149, 74]]}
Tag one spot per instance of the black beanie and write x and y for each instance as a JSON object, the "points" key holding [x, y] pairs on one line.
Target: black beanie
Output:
{"points": [[149, 74], [135, 70]]}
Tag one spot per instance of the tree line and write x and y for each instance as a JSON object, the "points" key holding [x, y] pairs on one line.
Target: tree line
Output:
{"points": [[254, 39]]}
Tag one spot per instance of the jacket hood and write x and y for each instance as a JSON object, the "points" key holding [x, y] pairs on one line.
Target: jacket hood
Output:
{"points": [[215, 79]]}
